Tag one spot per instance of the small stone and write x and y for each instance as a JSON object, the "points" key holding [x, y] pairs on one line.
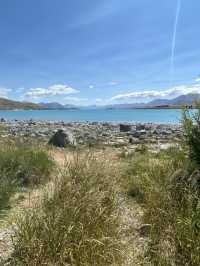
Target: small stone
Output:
{"points": [[144, 230], [130, 140]]}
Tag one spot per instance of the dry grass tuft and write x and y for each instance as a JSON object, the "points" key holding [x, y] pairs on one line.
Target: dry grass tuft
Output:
{"points": [[77, 222]]}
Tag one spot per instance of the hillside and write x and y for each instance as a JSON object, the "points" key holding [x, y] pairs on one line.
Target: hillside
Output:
{"points": [[188, 99], [6, 104]]}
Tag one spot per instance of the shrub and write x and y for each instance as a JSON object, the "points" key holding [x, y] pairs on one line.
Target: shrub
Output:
{"points": [[191, 124], [76, 223]]}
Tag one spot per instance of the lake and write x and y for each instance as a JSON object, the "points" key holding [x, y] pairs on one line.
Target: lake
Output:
{"points": [[136, 115]]}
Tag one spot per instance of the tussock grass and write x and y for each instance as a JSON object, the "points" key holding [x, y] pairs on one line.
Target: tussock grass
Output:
{"points": [[77, 222], [165, 184], [20, 167]]}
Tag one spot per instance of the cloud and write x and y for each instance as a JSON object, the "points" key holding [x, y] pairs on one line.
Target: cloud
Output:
{"points": [[152, 94], [75, 99], [98, 100], [112, 83], [91, 86], [54, 90], [4, 92], [20, 89]]}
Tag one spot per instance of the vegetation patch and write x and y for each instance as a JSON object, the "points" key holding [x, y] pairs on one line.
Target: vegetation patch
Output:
{"points": [[167, 185], [77, 222], [21, 167]]}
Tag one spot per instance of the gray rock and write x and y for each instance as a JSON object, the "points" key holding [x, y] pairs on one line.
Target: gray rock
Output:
{"points": [[165, 132], [62, 139], [138, 134], [142, 132], [134, 140], [140, 127], [130, 140], [135, 134]]}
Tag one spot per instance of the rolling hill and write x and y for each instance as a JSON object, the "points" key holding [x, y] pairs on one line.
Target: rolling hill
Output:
{"points": [[6, 104]]}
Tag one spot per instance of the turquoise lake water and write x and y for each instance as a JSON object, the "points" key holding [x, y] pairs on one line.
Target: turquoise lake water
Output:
{"points": [[136, 115]]}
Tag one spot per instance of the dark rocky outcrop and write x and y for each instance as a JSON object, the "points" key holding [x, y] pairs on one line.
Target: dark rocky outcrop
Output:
{"points": [[125, 127]]}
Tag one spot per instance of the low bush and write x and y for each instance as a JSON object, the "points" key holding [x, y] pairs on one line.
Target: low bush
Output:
{"points": [[191, 124], [77, 222]]}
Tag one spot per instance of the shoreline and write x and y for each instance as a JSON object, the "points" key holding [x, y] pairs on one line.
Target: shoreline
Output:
{"points": [[60, 121], [104, 133]]}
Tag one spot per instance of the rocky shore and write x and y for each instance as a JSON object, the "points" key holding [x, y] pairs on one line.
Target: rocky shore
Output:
{"points": [[93, 132]]}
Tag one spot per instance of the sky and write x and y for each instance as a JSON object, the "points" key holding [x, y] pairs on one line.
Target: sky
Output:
{"points": [[87, 52]]}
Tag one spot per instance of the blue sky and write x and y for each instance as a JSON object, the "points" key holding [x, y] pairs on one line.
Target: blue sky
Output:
{"points": [[98, 51]]}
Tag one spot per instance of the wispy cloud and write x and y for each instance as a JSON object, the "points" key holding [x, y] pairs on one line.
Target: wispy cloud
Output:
{"points": [[99, 100], [54, 90], [75, 99], [21, 89], [4, 92], [152, 94], [112, 83]]}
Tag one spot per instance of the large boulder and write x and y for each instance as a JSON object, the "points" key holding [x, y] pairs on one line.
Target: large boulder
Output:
{"points": [[62, 138], [125, 127]]}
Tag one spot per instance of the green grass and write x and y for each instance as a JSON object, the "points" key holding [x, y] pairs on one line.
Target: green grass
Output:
{"points": [[21, 167], [165, 185], [77, 222]]}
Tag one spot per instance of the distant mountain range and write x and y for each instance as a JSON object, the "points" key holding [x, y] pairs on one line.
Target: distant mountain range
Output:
{"points": [[188, 99], [57, 106], [178, 102]]}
